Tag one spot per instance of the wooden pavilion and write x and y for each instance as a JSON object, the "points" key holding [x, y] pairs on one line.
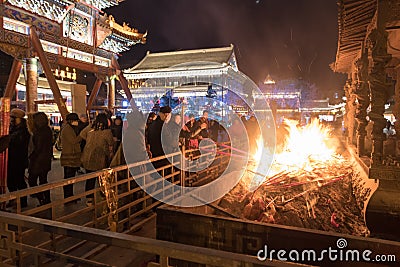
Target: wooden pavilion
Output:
{"points": [[64, 33]]}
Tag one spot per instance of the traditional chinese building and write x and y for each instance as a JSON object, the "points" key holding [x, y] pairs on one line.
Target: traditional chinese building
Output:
{"points": [[56, 38], [369, 53], [189, 73], [289, 100]]}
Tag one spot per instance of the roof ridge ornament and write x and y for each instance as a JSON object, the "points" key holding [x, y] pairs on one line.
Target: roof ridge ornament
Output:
{"points": [[125, 29]]}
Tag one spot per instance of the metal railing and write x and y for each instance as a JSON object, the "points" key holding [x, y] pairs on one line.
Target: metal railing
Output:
{"points": [[11, 247], [132, 207]]}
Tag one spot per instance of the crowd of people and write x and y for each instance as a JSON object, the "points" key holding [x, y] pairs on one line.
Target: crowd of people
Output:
{"points": [[177, 134], [89, 147]]}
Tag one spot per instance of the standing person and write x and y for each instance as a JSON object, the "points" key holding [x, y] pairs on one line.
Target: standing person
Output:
{"points": [[174, 128], [116, 130], [150, 119], [40, 153], [98, 150], [82, 124], [154, 136], [204, 133], [18, 153], [71, 153], [191, 128]]}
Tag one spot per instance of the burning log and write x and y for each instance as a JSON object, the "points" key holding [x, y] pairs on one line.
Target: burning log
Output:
{"points": [[318, 199], [311, 188]]}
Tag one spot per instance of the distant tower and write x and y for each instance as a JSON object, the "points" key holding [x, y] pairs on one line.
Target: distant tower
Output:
{"points": [[269, 80]]}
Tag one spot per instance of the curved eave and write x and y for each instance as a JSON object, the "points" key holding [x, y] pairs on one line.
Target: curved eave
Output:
{"points": [[124, 31], [101, 4], [131, 37]]}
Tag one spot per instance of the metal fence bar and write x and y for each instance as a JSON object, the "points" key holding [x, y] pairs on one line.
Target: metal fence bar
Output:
{"points": [[137, 205], [148, 245]]}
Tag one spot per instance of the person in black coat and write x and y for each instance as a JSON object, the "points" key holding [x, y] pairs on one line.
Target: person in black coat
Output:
{"points": [[174, 136], [40, 153], [154, 137], [17, 153], [116, 130], [204, 133]]}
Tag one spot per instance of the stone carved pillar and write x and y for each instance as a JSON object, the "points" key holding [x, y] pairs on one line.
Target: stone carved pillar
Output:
{"points": [[363, 97], [31, 83], [350, 111], [382, 215], [377, 45], [346, 89]]}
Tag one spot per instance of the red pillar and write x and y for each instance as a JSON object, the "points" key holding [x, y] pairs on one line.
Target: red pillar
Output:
{"points": [[4, 127], [31, 84]]}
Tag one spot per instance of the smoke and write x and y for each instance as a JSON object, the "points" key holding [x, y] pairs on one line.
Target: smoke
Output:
{"points": [[285, 38]]}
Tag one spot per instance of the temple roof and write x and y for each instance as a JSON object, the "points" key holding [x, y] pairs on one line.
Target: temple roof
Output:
{"points": [[110, 35], [164, 60], [115, 37], [354, 18], [101, 4], [127, 32]]}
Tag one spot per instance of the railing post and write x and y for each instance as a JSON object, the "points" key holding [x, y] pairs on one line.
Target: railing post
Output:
{"points": [[7, 237], [164, 261], [183, 169]]}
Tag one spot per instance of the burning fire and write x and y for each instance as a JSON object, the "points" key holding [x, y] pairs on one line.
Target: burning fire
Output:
{"points": [[307, 179], [302, 148], [305, 145]]}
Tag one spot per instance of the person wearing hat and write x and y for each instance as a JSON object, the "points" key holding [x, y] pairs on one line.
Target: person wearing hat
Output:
{"points": [[71, 153], [17, 153]]}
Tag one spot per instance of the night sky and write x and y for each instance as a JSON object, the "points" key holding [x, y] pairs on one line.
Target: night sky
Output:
{"points": [[283, 38]]}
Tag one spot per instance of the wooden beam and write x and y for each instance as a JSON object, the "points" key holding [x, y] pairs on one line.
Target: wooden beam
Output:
{"points": [[124, 83], [122, 80], [49, 74], [47, 101], [93, 94], [13, 78], [89, 67]]}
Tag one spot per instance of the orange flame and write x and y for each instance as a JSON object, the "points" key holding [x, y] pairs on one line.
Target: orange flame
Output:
{"points": [[303, 147]]}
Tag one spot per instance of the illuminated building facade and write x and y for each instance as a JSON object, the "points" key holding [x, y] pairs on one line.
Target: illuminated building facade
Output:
{"points": [[285, 99], [57, 38], [174, 76]]}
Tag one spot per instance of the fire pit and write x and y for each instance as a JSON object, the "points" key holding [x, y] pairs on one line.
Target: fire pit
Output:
{"points": [[309, 184], [321, 198], [313, 196]]}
